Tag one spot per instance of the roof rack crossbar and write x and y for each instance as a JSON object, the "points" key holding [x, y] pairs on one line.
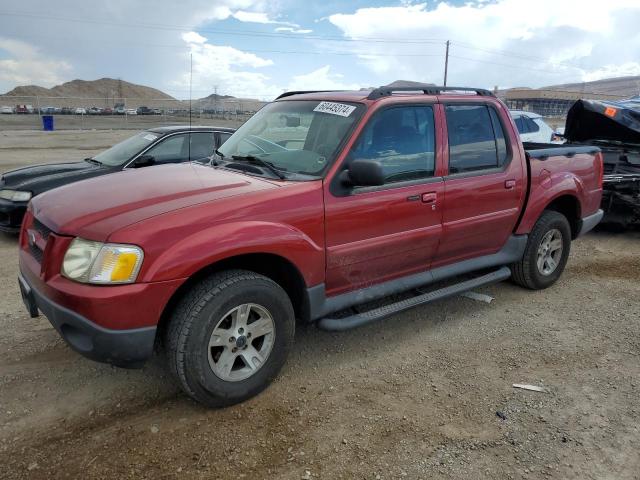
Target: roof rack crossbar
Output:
{"points": [[386, 91], [300, 92]]}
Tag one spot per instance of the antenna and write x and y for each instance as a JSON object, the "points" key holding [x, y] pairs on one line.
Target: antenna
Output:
{"points": [[446, 63], [190, 87]]}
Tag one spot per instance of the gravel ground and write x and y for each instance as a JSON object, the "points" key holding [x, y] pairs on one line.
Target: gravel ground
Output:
{"points": [[415, 396]]}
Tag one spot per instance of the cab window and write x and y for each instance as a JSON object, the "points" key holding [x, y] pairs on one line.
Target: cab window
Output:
{"points": [[476, 138], [402, 140]]}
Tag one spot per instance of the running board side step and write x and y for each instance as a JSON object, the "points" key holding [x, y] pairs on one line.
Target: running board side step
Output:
{"points": [[359, 319]]}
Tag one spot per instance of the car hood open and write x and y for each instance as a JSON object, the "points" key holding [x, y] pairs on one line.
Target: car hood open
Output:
{"points": [[97, 207], [589, 120]]}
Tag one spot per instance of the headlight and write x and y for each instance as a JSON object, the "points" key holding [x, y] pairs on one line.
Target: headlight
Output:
{"points": [[15, 195], [101, 263]]}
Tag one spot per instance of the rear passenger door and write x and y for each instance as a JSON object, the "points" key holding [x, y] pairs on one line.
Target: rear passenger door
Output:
{"points": [[378, 233], [484, 184]]}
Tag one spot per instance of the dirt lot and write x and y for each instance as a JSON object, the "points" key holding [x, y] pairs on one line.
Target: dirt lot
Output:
{"points": [[415, 396]]}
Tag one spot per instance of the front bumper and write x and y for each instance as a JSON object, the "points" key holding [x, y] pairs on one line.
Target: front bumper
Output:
{"points": [[124, 348], [11, 214]]}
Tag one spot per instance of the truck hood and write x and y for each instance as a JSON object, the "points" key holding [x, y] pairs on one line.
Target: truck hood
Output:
{"points": [[40, 178], [97, 207]]}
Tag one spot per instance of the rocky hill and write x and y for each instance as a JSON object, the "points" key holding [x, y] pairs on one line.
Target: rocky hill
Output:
{"points": [[623, 86], [102, 88]]}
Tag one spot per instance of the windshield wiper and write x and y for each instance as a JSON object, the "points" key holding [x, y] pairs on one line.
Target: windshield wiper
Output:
{"points": [[92, 160], [262, 163]]}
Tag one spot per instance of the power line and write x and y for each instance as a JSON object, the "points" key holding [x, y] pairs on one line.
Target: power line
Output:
{"points": [[505, 53], [249, 33], [506, 65], [187, 47], [254, 33]]}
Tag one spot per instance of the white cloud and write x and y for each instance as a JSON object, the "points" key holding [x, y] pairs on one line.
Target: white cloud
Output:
{"points": [[322, 79], [293, 30], [541, 42], [253, 17], [27, 65], [237, 73], [193, 37], [260, 17], [230, 69]]}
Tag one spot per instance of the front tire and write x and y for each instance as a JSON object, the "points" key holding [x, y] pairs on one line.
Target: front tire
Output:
{"points": [[546, 253], [229, 337]]}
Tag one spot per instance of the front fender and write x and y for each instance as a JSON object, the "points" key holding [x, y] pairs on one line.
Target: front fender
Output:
{"points": [[218, 242]]}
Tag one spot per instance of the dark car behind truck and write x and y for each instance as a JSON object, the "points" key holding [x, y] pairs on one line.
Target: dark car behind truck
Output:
{"points": [[156, 146], [316, 206], [614, 127]]}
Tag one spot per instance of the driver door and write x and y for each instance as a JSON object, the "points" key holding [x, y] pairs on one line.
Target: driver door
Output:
{"points": [[374, 234]]}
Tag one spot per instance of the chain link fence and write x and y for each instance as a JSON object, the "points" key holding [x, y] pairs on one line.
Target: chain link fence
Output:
{"points": [[80, 113]]}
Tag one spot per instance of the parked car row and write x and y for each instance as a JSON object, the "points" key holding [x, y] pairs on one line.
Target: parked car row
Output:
{"points": [[320, 204], [118, 110]]}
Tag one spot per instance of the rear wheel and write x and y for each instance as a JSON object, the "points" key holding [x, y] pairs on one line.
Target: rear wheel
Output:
{"points": [[229, 337], [546, 253]]}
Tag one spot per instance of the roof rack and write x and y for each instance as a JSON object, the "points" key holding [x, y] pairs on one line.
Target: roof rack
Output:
{"points": [[300, 92], [427, 89]]}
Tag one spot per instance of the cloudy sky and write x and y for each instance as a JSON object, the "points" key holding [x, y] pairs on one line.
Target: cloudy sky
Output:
{"points": [[260, 48]]}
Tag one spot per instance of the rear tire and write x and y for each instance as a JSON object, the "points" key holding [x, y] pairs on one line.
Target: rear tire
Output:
{"points": [[229, 337], [546, 253]]}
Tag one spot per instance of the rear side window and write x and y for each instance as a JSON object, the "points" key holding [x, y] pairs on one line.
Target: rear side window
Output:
{"points": [[181, 148], [223, 137], [402, 140], [531, 125], [169, 150], [202, 145], [476, 138]]}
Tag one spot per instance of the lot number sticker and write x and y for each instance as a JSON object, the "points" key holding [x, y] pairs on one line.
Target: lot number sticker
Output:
{"points": [[335, 108]]}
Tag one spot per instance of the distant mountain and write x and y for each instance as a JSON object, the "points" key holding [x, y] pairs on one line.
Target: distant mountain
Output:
{"points": [[407, 83], [102, 88], [623, 86]]}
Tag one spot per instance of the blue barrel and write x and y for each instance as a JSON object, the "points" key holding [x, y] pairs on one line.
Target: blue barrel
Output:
{"points": [[47, 123]]}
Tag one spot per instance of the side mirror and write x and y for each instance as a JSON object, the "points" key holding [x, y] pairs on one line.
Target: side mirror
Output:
{"points": [[144, 161], [365, 173]]}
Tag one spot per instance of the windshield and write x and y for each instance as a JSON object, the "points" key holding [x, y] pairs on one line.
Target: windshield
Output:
{"points": [[298, 137], [123, 151]]}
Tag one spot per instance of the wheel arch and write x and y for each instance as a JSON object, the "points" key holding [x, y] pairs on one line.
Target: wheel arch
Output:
{"points": [[567, 203], [569, 206], [273, 266]]}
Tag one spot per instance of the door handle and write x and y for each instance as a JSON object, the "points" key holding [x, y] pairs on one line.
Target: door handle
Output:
{"points": [[509, 184], [429, 197]]}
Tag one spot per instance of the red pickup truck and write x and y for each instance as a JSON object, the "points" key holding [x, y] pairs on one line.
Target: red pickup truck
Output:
{"points": [[318, 205]]}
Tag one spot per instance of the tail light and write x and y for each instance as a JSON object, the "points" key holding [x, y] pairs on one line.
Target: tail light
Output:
{"points": [[600, 161]]}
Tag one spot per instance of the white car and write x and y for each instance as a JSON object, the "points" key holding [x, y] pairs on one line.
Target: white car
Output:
{"points": [[131, 111], [532, 127], [81, 111], [6, 109]]}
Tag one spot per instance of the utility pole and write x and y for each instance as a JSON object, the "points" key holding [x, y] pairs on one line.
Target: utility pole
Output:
{"points": [[446, 64]]}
